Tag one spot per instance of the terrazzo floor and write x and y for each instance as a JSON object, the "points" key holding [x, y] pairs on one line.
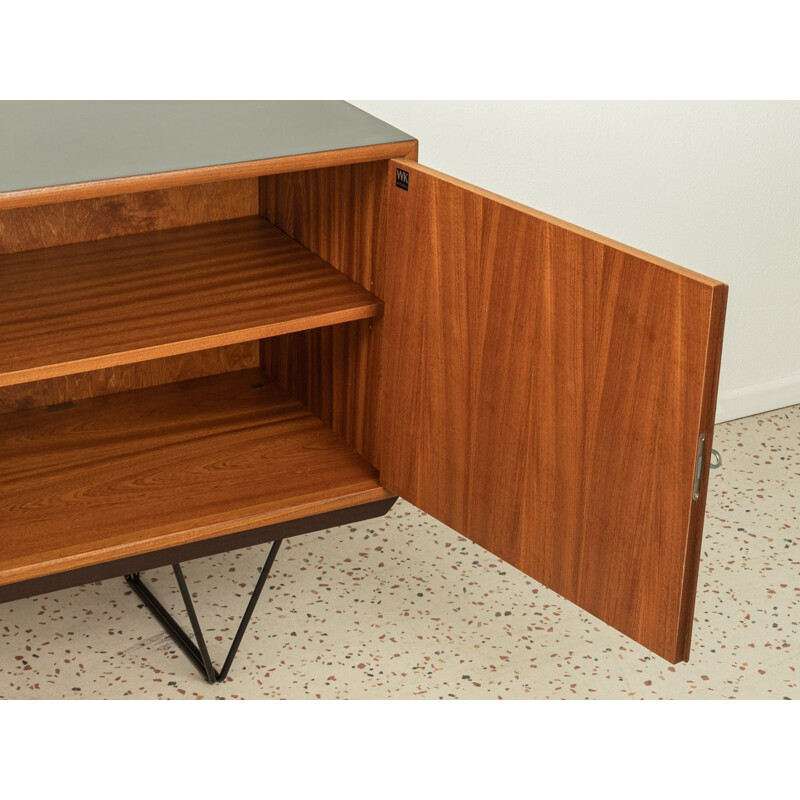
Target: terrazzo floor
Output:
{"points": [[402, 607]]}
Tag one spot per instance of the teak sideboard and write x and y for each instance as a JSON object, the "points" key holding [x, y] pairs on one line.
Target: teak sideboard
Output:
{"points": [[225, 323]]}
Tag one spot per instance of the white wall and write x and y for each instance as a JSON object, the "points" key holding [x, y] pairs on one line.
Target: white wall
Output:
{"points": [[711, 186]]}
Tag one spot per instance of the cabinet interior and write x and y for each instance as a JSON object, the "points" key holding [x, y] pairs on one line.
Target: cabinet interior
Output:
{"points": [[183, 363]]}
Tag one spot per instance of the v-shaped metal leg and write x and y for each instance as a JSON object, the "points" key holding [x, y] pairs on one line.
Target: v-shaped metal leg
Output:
{"points": [[198, 653]]}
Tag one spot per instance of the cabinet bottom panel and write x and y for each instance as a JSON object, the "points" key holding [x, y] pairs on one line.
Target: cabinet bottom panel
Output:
{"points": [[198, 549], [130, 474]]}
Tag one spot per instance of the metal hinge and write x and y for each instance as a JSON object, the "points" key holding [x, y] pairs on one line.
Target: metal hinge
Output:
{"points": [[716, 463]]}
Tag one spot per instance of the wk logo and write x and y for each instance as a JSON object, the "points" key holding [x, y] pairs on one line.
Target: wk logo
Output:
{"points": [[401, 179]]}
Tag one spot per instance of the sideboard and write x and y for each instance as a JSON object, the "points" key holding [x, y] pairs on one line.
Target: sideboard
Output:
{"points": [[226, 323]]}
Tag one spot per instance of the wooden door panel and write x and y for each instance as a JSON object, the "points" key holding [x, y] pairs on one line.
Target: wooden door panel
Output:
{"points": [[542, 392]]}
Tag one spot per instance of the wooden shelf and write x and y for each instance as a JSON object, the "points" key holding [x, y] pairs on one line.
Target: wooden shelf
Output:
{"points": [[81, 307], [131, 473]]}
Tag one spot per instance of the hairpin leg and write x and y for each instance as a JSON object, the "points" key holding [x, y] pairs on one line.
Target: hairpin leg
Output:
{"points": [[198, 652]]}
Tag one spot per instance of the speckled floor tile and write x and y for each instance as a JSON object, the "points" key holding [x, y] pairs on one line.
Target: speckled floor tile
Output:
{"points": [[402, 607]]}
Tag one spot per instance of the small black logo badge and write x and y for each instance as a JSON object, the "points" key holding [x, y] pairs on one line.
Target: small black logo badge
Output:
{"points": [[401, 179]]}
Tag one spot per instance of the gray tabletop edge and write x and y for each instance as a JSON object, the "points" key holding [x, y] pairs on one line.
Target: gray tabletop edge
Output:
{"points": [[49, 144]]}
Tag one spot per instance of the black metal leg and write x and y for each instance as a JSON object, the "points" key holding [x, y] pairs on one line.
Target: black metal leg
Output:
{"points": [[198, 652]]}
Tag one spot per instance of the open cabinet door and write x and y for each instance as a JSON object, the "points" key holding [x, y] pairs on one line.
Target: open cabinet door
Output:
{"points": [[544, 391]]}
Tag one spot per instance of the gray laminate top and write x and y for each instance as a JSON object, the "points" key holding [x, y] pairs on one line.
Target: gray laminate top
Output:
{"points": [[51, 143]]}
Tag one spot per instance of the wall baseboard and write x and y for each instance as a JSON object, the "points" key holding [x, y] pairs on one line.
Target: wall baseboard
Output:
{"points": [[748, 400]]}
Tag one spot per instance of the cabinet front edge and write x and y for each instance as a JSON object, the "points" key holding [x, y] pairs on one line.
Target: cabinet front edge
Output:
{"points": [[209, 174]]}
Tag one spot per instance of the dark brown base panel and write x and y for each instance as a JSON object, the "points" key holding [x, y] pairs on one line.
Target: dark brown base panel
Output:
{"points": [[187, 552]]}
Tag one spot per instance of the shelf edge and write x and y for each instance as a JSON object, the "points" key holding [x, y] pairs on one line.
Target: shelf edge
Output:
{"points": [[214, 528], [61, 369]]}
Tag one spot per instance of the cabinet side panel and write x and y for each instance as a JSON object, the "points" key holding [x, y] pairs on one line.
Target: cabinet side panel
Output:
{"points": [[327, 370], [128, 377], [55, 224], [338, 213]]}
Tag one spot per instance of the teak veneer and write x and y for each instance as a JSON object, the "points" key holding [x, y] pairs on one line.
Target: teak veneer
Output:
{"points": [[123, 474], [582, 347], [227, 323], [178, 291]]}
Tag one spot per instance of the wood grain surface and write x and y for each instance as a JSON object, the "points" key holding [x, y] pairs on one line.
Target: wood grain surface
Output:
{"points": [[332, 371], [340, 214], [130, 473], [126, 377], [100, 304], [221, 172], [35, 227], [543, 392]]}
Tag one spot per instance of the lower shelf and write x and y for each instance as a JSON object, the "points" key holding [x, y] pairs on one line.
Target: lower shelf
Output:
{"points": [[122, 475]]}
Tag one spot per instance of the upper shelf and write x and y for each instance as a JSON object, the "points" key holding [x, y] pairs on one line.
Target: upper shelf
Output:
{"points": [[100, 304]]}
